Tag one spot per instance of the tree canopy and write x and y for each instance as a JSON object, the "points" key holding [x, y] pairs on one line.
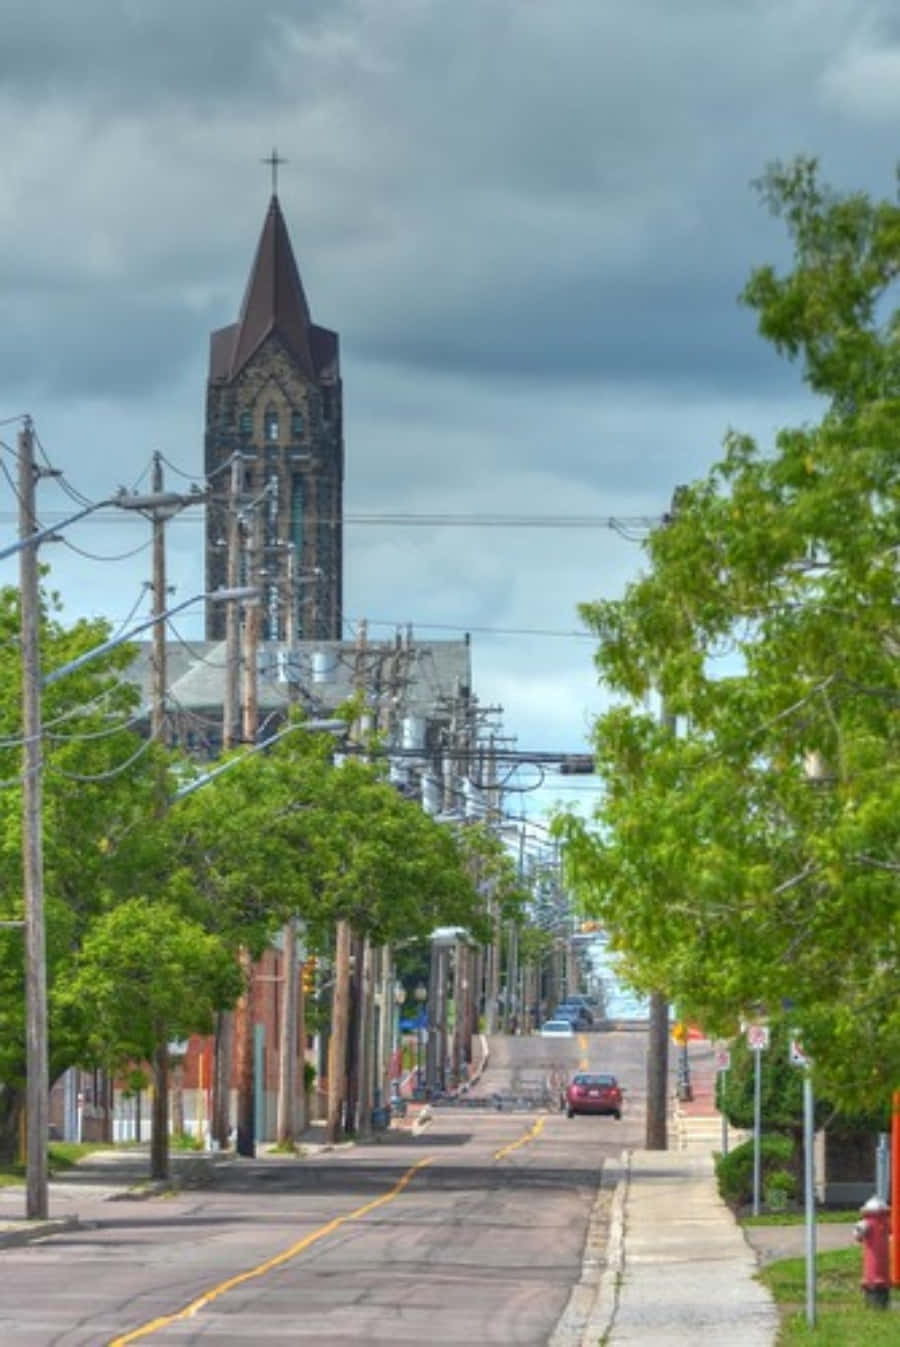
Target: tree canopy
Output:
{"points": [[747, 846]]}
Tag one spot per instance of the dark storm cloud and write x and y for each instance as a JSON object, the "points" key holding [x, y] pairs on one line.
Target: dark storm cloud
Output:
{"points": [[141, 52], [558, 192]]}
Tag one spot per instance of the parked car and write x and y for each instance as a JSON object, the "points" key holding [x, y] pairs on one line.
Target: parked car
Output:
{"points": [[557, 1029], [591, 1003], [591, 1092], [580, 1016]]}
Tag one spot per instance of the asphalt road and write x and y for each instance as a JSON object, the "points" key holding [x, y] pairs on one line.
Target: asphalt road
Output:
{"points": [[471, 1233]]}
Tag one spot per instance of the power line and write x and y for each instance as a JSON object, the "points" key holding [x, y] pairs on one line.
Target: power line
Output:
{"points": [[477, 630], [409, 520]]}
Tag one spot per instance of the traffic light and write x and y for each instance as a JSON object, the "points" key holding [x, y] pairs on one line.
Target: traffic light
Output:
{"points": [[577, 764], [309, 976]]}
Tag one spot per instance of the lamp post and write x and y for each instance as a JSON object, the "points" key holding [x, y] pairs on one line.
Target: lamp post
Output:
{"points": [[421, 997], [397, 1056]]}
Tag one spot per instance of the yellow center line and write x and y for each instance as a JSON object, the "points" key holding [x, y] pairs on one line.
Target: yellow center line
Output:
{"points": [[530, 1135], [214, 1292], [582, 1042]]}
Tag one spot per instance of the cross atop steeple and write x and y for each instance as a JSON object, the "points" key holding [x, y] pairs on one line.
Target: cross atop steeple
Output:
{"points": [[274, 161]]}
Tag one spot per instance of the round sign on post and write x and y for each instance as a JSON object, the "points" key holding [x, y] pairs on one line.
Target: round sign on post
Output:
{"points": [[757, 1037]]}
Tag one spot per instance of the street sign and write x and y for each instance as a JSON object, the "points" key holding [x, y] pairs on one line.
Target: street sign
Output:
{"points": [[798, 1056], [679, 1033], [757, 1037], [723, 1059]]}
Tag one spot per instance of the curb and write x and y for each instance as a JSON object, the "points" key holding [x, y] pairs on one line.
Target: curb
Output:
{"points": [[31, 1231], [423, 1118], [591, 1307]]}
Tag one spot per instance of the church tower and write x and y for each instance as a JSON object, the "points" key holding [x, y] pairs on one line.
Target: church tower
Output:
{"points": [[274, 395]]}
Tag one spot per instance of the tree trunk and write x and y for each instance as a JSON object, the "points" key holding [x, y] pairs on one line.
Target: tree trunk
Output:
{"points": [[178, 1098], [12, 1102], [159, 1135], [221, 1119], [246, 1103], [656, 1137]]}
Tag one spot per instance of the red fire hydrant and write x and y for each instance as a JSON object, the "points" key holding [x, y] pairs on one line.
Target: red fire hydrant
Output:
{"points": [[873, 1231]]}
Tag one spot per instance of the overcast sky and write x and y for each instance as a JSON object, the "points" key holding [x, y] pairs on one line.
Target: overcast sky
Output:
{"points": [[529, 220]]}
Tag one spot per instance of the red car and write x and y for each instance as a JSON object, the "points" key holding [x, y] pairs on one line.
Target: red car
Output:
{"points": [[590, 1093]]}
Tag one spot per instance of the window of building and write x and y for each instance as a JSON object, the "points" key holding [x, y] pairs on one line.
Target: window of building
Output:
{"points": [[297, 425], [270, 424], [246, 423]]}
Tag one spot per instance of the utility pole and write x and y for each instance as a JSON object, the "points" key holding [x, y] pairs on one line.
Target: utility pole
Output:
{"points": [[232, 617], [341, 1028], [656, 1136], [496, 952], [246, 1099], [337, 1043], [293, 1027], [37, 1085], [221, 1120], [159, 1127]]}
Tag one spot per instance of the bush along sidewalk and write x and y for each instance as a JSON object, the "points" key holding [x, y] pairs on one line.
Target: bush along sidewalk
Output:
{"points": [[734, 1173]]}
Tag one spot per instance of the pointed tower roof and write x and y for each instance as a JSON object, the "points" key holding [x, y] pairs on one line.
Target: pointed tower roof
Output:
{"points": [[274, 300]]}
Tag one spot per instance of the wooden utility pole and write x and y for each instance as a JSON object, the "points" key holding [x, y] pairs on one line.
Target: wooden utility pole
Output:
{"points": [[232, 616], [656, 1135], [293, 1029], [221, 1106], [342, 1020], [496, 949], [246, 1095], [159, 1127], [37, 1086], [337, 1043]]}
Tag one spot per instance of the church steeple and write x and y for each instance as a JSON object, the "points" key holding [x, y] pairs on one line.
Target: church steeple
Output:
{"points": [[274, 397], [274, 300]]}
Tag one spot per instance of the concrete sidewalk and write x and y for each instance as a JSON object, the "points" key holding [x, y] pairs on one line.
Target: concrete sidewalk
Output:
{"points": [[675, 1267], [681, 1271]]}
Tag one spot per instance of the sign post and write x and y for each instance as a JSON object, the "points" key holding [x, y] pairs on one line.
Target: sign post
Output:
{"points": [[723, 1064], [800, 1059], [757, 1041]]}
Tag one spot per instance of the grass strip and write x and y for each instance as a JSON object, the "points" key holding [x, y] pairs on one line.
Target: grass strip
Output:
{"points": [[842, 1318]]}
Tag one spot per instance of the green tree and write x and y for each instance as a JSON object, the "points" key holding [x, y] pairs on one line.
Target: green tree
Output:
{"points": [[97, 790], [145, 975], [755, 855]]}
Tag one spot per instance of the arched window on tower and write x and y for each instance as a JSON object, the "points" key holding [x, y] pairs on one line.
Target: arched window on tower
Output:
{"points": [[270, 423]]}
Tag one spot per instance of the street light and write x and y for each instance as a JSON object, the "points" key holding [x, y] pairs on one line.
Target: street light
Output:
{"points": [[397, 1105], [214, 596], [421, 997]]}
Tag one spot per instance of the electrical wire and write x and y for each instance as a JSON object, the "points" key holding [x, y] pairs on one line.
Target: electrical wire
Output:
{"points": [[15, 490], [410, 520], [195, 476], [96, 734], [477, 630], [192, 650], [109, 775], [118, 556]]}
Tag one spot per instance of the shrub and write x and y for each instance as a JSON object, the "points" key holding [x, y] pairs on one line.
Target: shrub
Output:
{"points": [[780, 1189], [734, 1171]]}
